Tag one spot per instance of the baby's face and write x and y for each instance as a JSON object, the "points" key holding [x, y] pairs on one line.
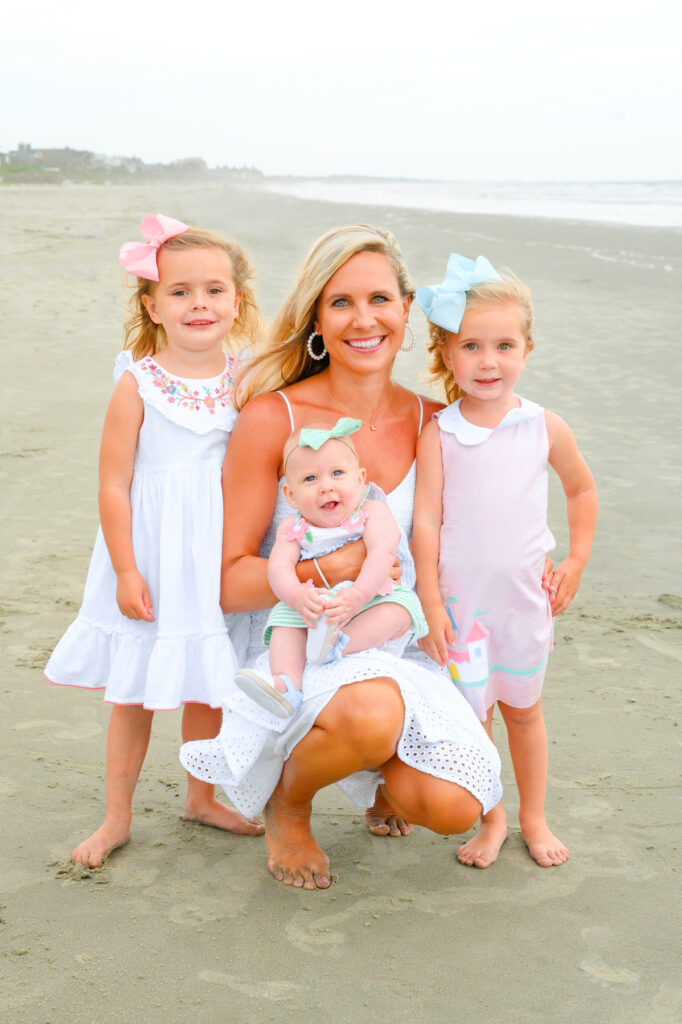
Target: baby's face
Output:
{"points": [[325, 486]]}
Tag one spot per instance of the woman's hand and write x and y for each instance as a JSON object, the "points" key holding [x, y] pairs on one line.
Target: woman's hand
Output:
{"points": [[133, 597]]}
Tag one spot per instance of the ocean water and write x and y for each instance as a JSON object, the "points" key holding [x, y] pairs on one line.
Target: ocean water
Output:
{"points": [[652, 203]]}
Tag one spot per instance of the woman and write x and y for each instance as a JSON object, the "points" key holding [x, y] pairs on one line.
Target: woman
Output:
{"points": [[401, 739]]}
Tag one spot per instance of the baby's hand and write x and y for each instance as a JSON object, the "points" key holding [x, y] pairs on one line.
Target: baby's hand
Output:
{"points": [[309, 602], [345, 604], [133, 597], [440, 631], [563, 584]]}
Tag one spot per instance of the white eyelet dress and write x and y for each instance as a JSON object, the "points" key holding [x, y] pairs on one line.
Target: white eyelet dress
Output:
{"points": [[441, 735], [177, 524]]}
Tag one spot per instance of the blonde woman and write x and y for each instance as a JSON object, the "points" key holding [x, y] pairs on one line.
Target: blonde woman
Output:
{"points": [[404, 743]]}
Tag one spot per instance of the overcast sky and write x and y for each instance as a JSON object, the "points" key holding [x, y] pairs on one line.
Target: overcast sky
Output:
{"points": [[493, 89]]}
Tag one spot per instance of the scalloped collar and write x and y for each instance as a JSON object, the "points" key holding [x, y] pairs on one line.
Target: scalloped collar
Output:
{"points": [[452, 421]]}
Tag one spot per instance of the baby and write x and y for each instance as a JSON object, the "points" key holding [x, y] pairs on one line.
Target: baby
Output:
{"points": [[326, 485]]}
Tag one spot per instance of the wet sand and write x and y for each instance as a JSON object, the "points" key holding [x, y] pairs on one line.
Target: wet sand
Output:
{"points": [[185, 923]]}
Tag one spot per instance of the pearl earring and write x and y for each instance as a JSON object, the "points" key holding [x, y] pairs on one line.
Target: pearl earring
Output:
{"points": [[413, 339], [309, 346]]}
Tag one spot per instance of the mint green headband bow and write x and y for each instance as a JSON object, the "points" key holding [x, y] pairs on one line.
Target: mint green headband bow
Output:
{"points": [[313, 438]]}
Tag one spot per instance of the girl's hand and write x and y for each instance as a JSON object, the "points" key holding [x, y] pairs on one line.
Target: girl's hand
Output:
{"points": [[133, 597], [440, 632], [309, 603], [341, 608], [563, 584], [546, 573]]}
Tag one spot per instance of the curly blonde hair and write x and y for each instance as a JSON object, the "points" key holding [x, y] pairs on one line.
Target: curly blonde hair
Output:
{"points": [[284, 358], [489, 293], [145, 338]]}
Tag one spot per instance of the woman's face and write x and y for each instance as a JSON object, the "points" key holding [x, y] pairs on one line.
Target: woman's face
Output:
{"points": [[361, 314]]}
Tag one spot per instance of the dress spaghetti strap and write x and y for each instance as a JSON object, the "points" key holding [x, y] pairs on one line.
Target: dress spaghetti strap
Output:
{"points": [[421, 413], [291, 412]]}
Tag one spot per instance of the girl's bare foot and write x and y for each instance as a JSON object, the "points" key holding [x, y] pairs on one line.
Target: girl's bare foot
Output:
{"points": [[294, 857], [383, 821], [543, 845], [94, 850], [484, 848], [218, 815]]}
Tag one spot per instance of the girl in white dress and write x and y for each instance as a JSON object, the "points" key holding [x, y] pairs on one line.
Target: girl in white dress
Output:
{"points": [[150, 630]]}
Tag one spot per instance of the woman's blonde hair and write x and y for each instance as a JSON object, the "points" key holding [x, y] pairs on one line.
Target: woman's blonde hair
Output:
{"points": [[144, 338], [284, 358], [489, 293]]}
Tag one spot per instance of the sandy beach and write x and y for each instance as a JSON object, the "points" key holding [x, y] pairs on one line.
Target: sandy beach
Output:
{"points": [[186, 923]]}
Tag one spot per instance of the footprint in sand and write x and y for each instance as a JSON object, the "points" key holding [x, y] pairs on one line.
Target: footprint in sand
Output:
{"points": [[594, 964], [274, 991]]}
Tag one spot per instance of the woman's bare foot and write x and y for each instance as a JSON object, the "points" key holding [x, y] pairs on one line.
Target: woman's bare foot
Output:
{"points": [[218, 815], [484, 848], [294, 857], [383, 821], [543, 845], [94, 850]]}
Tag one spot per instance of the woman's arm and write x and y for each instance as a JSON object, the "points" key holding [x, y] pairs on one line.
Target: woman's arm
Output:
{"points": [[581, 509], [426, 525], [122, 424]]}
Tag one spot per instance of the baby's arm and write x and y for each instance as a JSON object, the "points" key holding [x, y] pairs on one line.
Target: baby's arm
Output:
{"points": [[303, 598], [116, 461], [426, 524], [381, 536], [581, 507]]}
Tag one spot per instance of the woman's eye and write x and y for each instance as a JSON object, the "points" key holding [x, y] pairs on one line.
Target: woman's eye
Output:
{"points": [[381, 298], [339, 303]]}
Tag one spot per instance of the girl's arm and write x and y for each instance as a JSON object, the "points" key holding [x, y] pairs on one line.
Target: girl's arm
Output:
{"points": [[381, 537], [426, 524], [581, 508], [285, 583], [116, 461]]}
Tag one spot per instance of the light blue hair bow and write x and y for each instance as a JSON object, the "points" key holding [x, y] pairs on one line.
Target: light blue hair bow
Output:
{"points": [[313, 438], [444, 304]]}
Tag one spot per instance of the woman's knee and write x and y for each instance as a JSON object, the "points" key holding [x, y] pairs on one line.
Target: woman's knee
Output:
{"points": [[370, 714], [444, 807]]}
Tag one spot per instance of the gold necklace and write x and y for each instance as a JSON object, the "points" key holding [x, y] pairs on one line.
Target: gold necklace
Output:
{"points": [[344, 409]]}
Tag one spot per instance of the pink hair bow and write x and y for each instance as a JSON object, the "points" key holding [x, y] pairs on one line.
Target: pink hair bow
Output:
{"points": [[140, 259]]}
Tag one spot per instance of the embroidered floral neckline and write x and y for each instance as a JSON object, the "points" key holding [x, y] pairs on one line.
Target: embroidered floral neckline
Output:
{"points": [[191, 394]]}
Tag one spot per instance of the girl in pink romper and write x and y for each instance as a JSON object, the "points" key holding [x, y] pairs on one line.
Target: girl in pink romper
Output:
{"points": [[480, 534]]}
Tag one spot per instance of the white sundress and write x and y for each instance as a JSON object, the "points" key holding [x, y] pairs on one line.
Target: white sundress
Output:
{"points": [[441, 735], [177, 525]]}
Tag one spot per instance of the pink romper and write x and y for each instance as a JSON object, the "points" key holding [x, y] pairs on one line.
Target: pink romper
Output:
{"points": [[493, 543]]}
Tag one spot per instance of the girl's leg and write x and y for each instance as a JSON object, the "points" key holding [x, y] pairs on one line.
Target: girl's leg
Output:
{"points": [[375, 626], [127, 741], [528, 748], [358, 729], [484, 848], [287, 655], [200, 722]]}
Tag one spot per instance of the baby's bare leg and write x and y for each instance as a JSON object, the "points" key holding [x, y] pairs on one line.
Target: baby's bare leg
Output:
{"points": [[375, 626], [528, 748], [484, 848], [287, 655], [127, 741], [201, 722]]}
